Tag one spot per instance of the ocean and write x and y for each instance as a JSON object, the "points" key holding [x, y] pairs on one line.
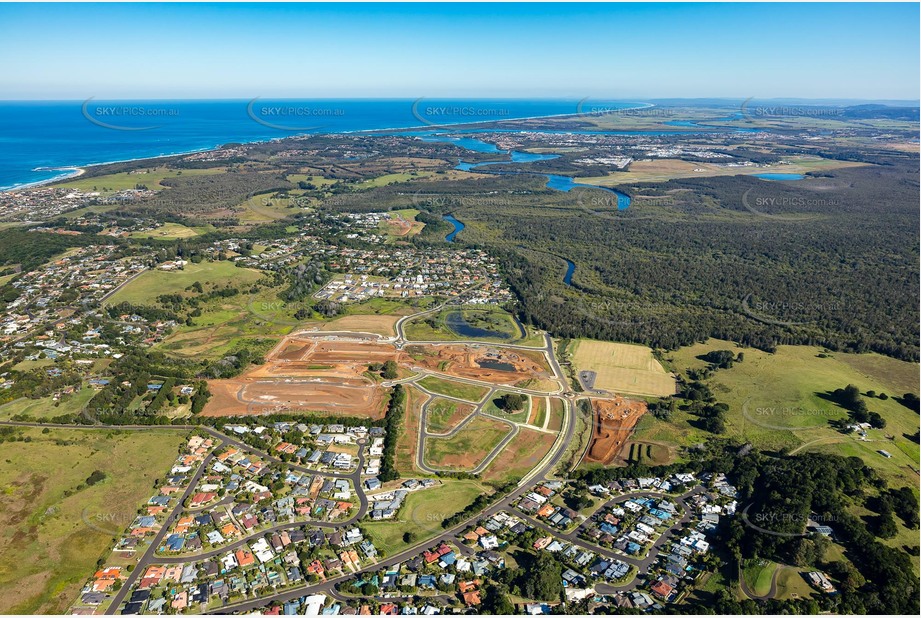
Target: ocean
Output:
{"points": [[40, 140]]}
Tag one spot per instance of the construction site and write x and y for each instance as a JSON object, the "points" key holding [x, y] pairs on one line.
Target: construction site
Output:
{"points": [[613, 421], [328, 372], [486, 363]]}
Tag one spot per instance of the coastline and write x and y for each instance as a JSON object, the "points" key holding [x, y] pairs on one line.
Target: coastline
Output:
{"points": [[80, 169], [74, 172]]}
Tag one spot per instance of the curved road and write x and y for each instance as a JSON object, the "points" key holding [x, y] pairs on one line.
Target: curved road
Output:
{"points": [[537, 475]]}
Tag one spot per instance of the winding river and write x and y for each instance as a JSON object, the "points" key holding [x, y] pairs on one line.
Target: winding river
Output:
{"points": [[570, 269], [554, 181]]}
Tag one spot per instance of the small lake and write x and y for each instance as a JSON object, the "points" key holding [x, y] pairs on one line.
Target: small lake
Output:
{"points": [[779, 176], [554, 181], [570, 269], [497, 365], [460, 326], [458, 227]]}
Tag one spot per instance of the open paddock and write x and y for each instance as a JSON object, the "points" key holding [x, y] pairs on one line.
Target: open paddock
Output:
{"points": [[623, 368], [521, 455], [443, 415], [377, 324], [466, 449]]}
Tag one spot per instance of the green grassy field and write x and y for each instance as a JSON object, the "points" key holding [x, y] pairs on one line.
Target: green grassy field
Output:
{"points": [[50, 540], [318, 181], [776, 401], [129, 180], [461, 390], [7, 278], [423, 512], [264, 208], [466, 449], [144, 289], [444, 414], [223, 322], [520, 416], [387, 179], [792, 585], [542, 411], [758, 574], [521, 456], [29, 365], [45, 407], [173, 231]]}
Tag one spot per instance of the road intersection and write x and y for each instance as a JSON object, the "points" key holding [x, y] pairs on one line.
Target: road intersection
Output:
{"points": [[544, 470]]}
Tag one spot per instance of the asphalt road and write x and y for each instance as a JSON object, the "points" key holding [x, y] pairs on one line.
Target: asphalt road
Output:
{"points": [[533, 478], [449, 534]]}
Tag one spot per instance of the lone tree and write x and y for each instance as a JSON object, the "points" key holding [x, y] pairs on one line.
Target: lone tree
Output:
{"points": [[511, 402]]}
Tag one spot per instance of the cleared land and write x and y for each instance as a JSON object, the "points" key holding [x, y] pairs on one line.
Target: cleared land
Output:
{"points": [[646, 453], [171, 231], [422, 513], [402, 223], [328, 371], [444, 415], [55, 528], [613, 424], [461, 390], [493, 364], [304, 374], [521, 455], [622, 368], [780, 400], [538, 411], [408, 440], [150, 178], [466, 449], [662, 170], [144, 289], [46, 407], [377, 324]]}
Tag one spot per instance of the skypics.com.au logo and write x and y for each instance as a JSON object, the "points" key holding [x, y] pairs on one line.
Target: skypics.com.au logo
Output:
{"points": [[755, 114], [290, 117], [446, 114], [126, 117], [596, 109]]}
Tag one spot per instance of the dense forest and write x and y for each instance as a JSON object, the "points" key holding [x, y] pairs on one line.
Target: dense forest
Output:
{"points": [[830, 261]]}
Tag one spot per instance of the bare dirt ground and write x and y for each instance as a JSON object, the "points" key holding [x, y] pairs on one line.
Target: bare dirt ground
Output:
{"points": [[407, 442], [245, 396], [328, 372], [370, 323], [306, 374], [613, 424], [464, 361]]}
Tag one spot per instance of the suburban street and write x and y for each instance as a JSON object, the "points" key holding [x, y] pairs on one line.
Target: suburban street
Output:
{"points": [[533, 478]]}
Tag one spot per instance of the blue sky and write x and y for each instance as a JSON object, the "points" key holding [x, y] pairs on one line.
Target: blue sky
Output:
{"points": [[619, 51]]}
